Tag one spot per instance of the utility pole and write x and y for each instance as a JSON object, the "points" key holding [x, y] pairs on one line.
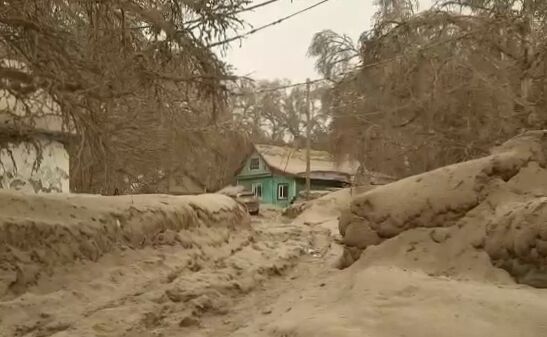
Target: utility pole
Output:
{"points": [[168, 158], [308, 144]]}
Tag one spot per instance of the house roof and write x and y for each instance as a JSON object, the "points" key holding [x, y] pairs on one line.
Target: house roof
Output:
{"points": [[12, 131], [14, 134], [35, 114], [293, 161]]}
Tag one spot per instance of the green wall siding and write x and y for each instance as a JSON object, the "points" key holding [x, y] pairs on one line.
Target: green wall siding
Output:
{"points": [[278, 179]]}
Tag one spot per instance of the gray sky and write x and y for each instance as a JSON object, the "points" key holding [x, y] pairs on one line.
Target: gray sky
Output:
{"points": [[280, 51]]}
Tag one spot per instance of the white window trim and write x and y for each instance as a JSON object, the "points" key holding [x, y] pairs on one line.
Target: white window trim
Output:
{"points": [[279, 188]]}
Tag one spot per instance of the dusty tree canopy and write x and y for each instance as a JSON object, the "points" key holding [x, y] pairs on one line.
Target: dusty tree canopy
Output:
{"points": [[134, 79], [274, 112], [441, 86]]}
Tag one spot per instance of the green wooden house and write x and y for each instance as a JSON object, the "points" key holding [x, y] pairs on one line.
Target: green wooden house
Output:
{"points": [[277, 174]]}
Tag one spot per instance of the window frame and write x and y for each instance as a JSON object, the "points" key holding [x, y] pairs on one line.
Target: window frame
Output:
{"points": [[253, 188], [252, 167], [279, 189]]}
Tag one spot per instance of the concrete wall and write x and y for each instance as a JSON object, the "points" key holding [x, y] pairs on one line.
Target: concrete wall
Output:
{"points": [[39, 165]]}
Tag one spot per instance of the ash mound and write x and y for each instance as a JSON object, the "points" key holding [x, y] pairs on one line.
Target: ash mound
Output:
{"points": [[480, 219]]}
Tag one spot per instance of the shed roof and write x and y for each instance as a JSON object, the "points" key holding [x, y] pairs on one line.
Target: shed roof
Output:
{"points": [[293, 161]]}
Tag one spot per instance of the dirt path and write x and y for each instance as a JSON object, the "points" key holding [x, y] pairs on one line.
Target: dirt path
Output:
{"points": [[279, 294], [170, 290]]}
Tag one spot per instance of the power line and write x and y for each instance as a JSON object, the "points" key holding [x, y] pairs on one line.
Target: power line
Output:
{"points": [[262, 4], [349, 72], [360, 67], [292, 85], [253, 31], [239, 11], [288, 86], [229, 123]]}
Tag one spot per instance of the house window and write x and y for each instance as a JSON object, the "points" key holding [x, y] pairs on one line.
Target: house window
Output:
{"points": [[255, 164], [282, 191], [257, 190]]}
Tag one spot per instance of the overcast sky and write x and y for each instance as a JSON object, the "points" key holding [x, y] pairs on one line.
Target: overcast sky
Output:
{"points": [[280, 51]]}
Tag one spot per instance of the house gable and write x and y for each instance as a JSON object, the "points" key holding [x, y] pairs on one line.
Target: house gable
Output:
{"points": [[255, 166]]}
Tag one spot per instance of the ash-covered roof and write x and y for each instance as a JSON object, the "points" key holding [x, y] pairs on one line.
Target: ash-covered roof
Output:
{"points": [[293, 161]]}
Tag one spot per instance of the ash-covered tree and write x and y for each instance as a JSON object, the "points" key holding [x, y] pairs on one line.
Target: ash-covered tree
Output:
{"points": [[136, 80], [441, 86], [274, 112]]}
